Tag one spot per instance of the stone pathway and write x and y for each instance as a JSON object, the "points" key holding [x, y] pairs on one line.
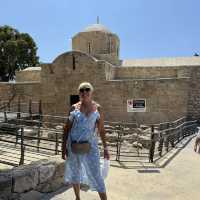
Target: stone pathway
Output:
{"points": [[178, 180]]}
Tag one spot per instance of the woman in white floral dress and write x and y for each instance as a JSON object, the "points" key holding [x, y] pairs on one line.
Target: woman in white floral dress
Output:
{"points": [[84, 168]]}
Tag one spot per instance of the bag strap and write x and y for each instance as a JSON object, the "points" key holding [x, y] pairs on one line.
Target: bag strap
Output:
{"points": [[73, 124], [76, 106], [91, 135]]}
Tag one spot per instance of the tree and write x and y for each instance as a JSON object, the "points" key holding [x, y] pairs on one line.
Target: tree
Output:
{"points": [[17, 52]]}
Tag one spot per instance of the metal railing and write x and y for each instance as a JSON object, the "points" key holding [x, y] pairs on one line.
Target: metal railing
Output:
{"points": [[37, 135], [165, 136], [126, 141]]}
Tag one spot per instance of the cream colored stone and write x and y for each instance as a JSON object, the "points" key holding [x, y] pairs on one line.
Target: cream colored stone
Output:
{"points": [[169, 85], [46, 172]]}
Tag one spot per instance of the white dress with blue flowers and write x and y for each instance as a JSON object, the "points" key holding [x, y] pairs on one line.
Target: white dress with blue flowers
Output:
{"points": [[84, 168]]}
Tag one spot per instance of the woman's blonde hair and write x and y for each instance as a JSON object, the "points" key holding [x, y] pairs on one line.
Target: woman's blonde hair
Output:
{"points": [[86, 85]]}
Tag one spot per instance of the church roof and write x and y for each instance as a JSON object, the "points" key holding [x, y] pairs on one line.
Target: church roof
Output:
{"points": [[162, 62], [97, 27]]}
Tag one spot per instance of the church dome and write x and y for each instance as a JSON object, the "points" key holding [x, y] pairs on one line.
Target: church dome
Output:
{"points": [[99, 42], [96, 27]]}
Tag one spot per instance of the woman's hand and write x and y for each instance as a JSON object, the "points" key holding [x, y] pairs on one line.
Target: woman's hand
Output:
{"points": [[64, 154], [195, 148], [106, 154]]}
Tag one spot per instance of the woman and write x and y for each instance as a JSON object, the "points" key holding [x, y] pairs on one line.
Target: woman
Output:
{"points": [[84, 167], [197, 141]]}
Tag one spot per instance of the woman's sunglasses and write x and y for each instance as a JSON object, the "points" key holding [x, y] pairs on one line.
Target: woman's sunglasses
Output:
{"points": [[84, 89]]}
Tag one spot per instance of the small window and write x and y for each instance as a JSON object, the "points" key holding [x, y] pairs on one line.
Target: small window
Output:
{"points": [[117, 51], [89, 48], [109, 45], [73, 62]]}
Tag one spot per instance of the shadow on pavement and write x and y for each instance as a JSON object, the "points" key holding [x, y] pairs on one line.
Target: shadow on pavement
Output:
{"points": [[148, 171], [161, 162], [179, 149], [49, 196]]}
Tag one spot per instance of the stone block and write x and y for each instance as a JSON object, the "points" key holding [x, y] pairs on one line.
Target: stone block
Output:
{"points": [[5, 185], [59, 172], [25, 179], [46, 172]]}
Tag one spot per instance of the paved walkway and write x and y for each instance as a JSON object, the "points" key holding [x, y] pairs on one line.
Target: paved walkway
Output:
{"points": [[179, 179]]}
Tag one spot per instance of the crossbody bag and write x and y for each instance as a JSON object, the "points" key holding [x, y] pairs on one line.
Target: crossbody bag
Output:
{"points": [[80, 147]]}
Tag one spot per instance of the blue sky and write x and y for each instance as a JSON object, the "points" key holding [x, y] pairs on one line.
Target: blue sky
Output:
{"points": [[146, 28]]}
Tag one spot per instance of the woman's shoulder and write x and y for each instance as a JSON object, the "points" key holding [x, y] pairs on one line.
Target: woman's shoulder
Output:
{"points": [[97, 106], [76, 106]]}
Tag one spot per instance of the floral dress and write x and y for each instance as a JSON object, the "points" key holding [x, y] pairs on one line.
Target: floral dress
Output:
{"points": [[84, 168]]}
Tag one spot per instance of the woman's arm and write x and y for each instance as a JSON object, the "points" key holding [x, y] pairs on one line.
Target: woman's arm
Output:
{"points": [[197, 142], [66, 128], [101, 129]]}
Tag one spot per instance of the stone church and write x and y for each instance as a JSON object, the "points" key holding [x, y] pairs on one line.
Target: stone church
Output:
{"points": [[134, 90]]}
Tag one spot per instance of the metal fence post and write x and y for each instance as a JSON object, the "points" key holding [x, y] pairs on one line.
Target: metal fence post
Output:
{"points": [[152, 146], [21, 162], [30, 109], [117, 154], [171, 139], [119, 135], [5, 117], [40, 112], [56, 145], [38, 139], [17, 137], [160, 147], [19, 108]]}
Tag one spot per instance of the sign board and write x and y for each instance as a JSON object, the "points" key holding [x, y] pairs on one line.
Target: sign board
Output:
{"points": [[136, 105]]}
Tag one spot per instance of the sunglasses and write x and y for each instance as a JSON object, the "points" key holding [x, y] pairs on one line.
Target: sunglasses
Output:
{"points": [[84, 89]]}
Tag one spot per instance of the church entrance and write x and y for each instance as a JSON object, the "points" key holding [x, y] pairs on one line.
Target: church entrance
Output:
{"points": [[74, 99]]}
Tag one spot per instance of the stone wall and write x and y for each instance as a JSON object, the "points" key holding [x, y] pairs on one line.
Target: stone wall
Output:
{"points": [[7, 90], [60, 79], [150, 72], [25, 182], [30, 76], [164, 62], [194, 94], [11, 92], [166, 99], [29, 90], [170, 92]]}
